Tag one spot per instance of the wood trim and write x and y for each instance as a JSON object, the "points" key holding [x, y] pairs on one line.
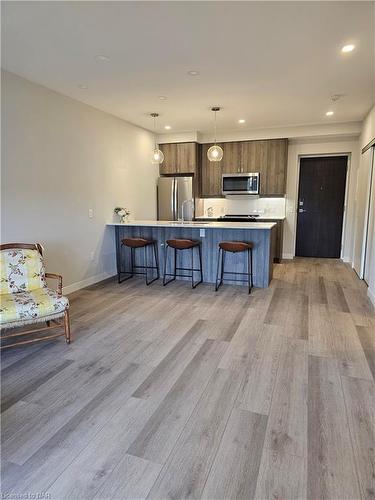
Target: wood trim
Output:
{"points": [[57, 277], [38, 339], [368, 146], [27, 246], [178, 142]]}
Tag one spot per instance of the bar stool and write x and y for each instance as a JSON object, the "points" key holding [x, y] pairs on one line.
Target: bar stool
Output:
{"points": [[183, 244], [234, 247], [133, 244]]}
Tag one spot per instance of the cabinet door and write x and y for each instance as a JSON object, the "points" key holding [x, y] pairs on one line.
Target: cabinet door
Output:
{"points": [[277, 167], [187, 157], [231, 162], [210, 175], [169, 165], [254, 159]]}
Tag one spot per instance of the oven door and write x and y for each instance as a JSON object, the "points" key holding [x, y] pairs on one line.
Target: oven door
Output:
{"points": [[240, 183]]}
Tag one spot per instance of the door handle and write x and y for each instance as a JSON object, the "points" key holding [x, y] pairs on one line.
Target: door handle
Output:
{"points": [[301, 210]]}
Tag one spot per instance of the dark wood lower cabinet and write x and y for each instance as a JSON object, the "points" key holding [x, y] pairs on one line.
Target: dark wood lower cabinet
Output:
{"points": [[278, 238]]}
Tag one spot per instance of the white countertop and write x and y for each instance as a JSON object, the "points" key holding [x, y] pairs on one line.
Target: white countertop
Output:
{"points": [[197, 224]]}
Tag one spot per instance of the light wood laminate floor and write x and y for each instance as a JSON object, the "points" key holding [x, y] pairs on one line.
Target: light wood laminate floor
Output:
{"points": [[168, 392]]}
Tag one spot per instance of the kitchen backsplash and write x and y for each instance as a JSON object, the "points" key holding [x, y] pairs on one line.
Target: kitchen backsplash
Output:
{"points": [[267, 207]]}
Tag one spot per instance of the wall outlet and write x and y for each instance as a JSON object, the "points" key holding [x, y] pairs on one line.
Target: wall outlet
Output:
{"points": [[91, 213], [202, 233]]}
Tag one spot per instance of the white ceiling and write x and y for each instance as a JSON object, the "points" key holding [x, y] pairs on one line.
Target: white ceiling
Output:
{"points": [[272, 63]]}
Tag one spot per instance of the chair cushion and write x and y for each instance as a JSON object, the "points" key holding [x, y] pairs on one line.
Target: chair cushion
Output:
{"points": [[28, 307], [21, 270], [182, 244], [136, 242], [235, 246]]}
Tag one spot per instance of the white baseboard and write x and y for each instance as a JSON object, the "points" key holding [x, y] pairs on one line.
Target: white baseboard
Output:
{"points": [[371, 295], [288, 256], [87, 282]]}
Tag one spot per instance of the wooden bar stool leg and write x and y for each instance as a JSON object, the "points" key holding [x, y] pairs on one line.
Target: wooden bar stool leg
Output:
{"points": [[156, 257], [154, 278], [67, 327], [192, 267], [251, 262], [222, 266], [217, 283], [175, 263], [249, 270], [165, 264], [200, 263], [145, 263], [165, 281]]}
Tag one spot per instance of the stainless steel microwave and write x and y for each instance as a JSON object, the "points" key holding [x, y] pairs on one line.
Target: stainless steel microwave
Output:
{"points": [[240, 183]]}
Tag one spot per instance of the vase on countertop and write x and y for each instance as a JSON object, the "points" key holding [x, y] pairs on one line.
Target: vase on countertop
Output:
{"points": [[125, 218]]}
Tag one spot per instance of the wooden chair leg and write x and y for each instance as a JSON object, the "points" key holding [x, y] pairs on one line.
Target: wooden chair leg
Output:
{"points": [[67, 327]]}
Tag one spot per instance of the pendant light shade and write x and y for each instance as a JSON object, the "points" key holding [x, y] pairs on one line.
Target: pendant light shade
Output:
{"points": [[215, 152], [157, 156]]}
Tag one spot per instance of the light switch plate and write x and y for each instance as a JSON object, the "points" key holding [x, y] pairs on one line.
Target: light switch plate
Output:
{"points": [[91, 213]]}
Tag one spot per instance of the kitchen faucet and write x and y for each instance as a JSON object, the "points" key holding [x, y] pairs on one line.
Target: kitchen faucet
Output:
{"points": [[183, 206]]}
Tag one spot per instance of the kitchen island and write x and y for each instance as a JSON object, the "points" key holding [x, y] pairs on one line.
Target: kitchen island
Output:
{"points": [[261, 234]]}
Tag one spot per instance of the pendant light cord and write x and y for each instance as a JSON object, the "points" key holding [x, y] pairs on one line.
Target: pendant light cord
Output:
{"points": [[155, 132], [215, 128]]}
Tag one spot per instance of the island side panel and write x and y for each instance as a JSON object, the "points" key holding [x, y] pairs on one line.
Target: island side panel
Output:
{"points": [[262, 251]]}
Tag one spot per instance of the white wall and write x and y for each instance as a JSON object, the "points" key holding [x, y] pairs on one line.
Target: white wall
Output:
{"points": [[59, 158], [367, 135], [295, 151]]}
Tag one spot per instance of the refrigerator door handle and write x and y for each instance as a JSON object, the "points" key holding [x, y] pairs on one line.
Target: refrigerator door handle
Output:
{"points": [[172, 199]]}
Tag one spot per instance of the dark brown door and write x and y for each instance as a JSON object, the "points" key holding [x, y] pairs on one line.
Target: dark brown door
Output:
{"points": [[320, 207]]}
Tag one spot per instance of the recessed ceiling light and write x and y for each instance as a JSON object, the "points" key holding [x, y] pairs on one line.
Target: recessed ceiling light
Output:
{"points": [[162, 97], [167, 127], [102, 57], [193, 72], [348, 48], [329, 113], [82, 86], [241, 120]]}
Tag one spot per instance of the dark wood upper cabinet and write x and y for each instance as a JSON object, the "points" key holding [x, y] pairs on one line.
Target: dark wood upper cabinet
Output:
{"points": [[231, 162], [179, 158], [169, 165], [277, 161], [209, 174], [254, 159], [268, 157]]}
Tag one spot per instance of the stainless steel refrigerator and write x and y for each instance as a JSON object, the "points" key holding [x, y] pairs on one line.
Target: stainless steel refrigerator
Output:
{"points": [[175, 198]]}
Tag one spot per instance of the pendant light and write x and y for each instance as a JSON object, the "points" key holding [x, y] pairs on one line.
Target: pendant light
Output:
{"points": [[215, 152], [157, 156]]}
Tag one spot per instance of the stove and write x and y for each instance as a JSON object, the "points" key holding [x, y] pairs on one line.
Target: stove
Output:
{"points": [[238, 218]]}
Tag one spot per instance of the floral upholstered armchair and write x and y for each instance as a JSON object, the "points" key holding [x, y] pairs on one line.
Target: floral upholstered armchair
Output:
{"points": [[25, 297]]}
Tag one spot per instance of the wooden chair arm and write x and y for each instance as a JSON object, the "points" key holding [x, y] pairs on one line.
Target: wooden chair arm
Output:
{"points": [[56, 277]]}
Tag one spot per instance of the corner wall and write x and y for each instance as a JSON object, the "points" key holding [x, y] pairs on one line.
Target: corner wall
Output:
{"points": [[367, 135], [59, 158]]}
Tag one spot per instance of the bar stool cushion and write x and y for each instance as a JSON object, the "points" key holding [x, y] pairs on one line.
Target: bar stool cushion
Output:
{"points": [[235, 246], [136, 242], [182, 244]]}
